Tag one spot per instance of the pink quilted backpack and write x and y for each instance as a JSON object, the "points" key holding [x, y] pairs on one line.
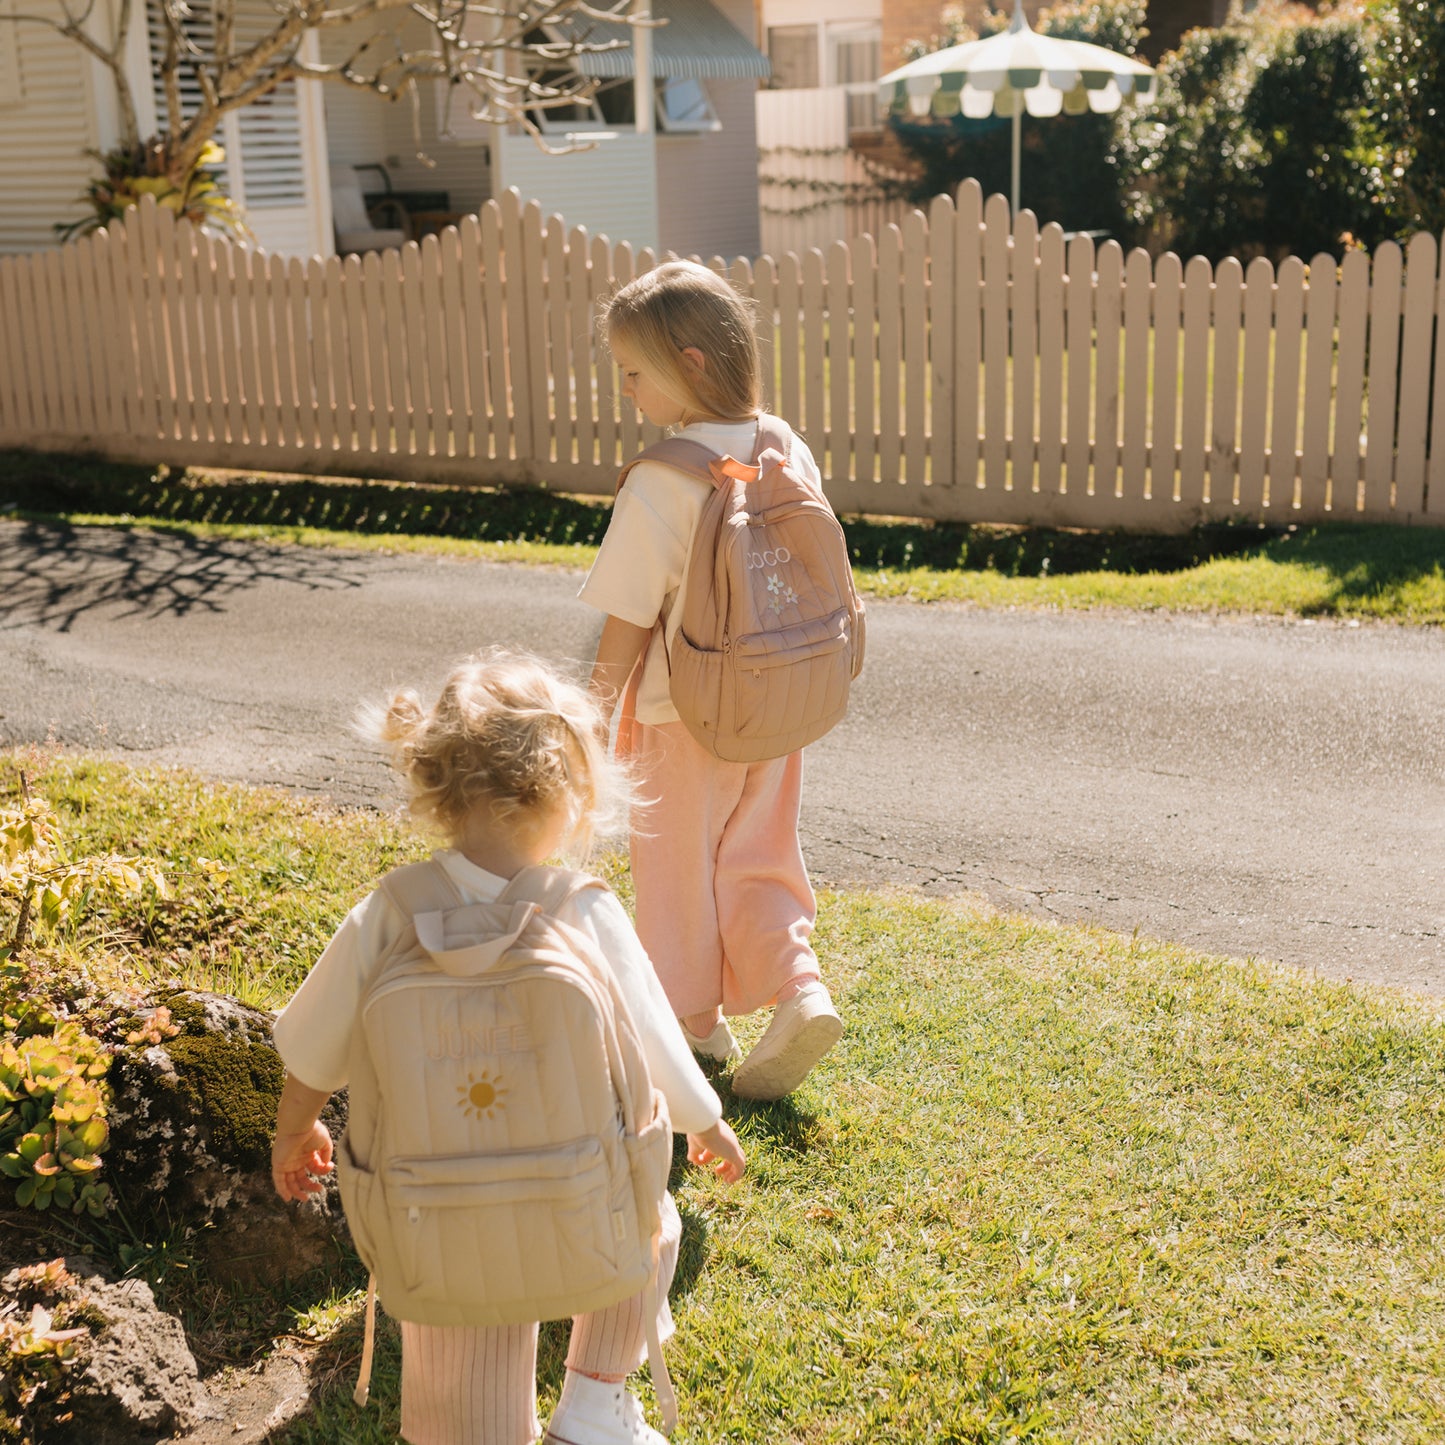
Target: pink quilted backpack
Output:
{"points": [[771, 632]]}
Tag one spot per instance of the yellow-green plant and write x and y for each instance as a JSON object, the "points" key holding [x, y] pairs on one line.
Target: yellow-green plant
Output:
{"points": [[47, 886], [133, 171], [53, 1102], [53, 1094]]}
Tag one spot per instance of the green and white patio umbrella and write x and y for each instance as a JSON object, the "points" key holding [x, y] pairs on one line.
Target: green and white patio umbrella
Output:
{"points": [[1015, 71]]}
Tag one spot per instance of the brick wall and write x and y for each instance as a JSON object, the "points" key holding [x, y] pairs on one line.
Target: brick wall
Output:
{"points": [[1167, 20], [905, 20]]}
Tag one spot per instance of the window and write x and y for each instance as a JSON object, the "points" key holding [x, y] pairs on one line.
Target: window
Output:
{"points": [[793, 54], [608, 108], [855, 54], [683, 105]]}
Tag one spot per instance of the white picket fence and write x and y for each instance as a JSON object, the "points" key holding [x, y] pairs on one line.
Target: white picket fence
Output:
{"points": [[954, 367]]}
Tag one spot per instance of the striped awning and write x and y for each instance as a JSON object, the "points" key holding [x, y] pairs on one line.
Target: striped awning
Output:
{"points": [[697, 42]]}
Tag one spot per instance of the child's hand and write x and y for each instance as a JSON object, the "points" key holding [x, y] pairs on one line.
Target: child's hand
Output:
{"points": [[718, 1149], [297, 1161]]}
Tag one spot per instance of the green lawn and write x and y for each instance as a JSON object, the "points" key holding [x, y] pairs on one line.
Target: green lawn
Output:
{"points": [[1394, 574], [1054, 1185]]}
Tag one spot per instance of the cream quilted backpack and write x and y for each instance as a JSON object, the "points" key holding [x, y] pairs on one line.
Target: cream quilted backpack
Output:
{"points": [[772, 629], [505, 1155]]}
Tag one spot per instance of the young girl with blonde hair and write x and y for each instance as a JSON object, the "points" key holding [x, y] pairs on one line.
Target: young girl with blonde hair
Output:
{"points": [[508, 764], [724, 906]]}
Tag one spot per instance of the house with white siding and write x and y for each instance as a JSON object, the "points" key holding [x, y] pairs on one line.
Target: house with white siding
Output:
{"points": [[677, 172]]}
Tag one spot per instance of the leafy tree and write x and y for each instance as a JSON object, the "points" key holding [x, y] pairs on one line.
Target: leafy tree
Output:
{"points": [[1409, 75], [502, 58], [1255, 143], [1067, 173]]}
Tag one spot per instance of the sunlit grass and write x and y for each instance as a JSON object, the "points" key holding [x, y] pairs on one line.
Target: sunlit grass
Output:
{"points": [[1054, 1184]]}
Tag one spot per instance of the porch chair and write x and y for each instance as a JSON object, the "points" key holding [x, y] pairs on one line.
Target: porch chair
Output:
{"points": [[355, 226]]}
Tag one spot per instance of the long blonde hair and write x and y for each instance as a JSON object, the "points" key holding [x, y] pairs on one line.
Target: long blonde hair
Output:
{"points": [[678, 305], [509, 731]]}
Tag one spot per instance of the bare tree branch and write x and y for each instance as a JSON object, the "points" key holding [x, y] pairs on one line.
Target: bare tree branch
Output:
{"points": [[510, 59]]}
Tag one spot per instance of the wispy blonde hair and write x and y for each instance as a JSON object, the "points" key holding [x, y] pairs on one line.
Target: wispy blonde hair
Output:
{"points": [[681, 304], [509, 731]]}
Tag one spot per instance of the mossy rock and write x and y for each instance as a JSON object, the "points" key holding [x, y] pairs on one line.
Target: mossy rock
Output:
{"points": [[190, 1145]]}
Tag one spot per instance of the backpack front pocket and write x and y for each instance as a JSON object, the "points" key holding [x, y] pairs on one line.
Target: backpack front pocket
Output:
{"points": [[789, 686], [511, 1228]]}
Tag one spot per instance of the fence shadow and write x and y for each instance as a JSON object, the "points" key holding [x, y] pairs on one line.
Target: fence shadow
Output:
{"points": [[61, 486]]}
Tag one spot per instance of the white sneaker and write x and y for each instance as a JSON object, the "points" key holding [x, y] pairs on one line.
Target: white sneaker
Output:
{"points": [[719, 1045], [598, 1412], [803, 1029]]}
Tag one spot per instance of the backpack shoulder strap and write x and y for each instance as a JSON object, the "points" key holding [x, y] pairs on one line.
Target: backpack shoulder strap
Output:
{"points": [[774, 432], [424, 887], [680, 453], [549, 888]]}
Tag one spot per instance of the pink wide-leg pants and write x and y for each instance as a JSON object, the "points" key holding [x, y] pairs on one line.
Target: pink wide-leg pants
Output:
{"points": [[724, 906]]}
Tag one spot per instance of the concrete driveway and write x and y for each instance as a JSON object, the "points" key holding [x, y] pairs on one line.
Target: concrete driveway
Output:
{"points": [[1243, 787]]}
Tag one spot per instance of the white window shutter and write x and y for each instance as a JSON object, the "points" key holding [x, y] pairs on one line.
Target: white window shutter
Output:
{"points": [[263, 166]]}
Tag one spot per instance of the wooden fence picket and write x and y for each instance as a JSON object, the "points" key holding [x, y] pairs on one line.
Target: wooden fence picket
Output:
{"points": [[1224, 410], [1053, 348], [967, 340], [1024, 350], [1108, 334], [1080, 349], [942, 220], [863, 267], [839, 461], [1386, 289], [1285, 397], [1253, 391], [996, 287], [1415, 346], [1435, 477], [1353, 313], [1194, 430], [915, 347], [1138, 307]]}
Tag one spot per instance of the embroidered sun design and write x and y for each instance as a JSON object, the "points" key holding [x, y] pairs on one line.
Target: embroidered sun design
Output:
{"points": [[481, 1096]]}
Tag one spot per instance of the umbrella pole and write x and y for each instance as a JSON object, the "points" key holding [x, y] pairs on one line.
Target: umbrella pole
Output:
{"points": [[1014, 157]]}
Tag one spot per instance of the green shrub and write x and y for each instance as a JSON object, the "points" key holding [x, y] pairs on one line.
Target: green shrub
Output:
{"points": [[1408, 69], [1257, 142]]}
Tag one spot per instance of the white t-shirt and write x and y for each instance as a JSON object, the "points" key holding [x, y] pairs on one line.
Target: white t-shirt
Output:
{"points": [[642, 564], [313, 1032]]}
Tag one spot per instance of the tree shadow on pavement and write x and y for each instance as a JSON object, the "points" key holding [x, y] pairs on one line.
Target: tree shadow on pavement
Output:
{"points": [[51, 572]]}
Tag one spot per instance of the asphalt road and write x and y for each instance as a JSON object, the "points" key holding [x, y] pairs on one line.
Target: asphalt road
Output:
{"points": [[1274, 789]]}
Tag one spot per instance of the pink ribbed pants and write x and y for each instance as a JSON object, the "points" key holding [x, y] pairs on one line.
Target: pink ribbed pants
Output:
{"points": [[478, 1386], [724, 906]]}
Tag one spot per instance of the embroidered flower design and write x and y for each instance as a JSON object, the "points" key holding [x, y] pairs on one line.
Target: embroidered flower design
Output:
{"points": [[775, 583], [790, 596]]}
